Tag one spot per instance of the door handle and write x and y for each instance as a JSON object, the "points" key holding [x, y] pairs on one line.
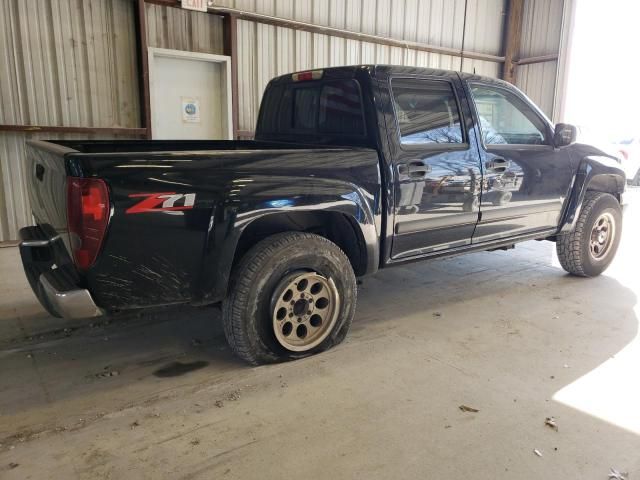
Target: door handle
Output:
{"points": [[498, 165], [414, 170]]}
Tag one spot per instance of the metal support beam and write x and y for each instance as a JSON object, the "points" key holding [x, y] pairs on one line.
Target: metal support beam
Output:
{"points": [[564, 60], [512, 38], [143, 66], [230, 25]]}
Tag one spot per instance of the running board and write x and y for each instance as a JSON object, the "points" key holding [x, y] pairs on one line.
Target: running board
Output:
{"points": [[476, 247]]}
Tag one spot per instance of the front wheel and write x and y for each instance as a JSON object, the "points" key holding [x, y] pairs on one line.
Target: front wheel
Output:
{"points": [[292, 295], [588, 250]]}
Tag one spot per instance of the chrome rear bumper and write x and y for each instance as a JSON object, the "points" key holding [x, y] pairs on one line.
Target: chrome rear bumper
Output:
{"points": [[53, 277], [74, 303]]}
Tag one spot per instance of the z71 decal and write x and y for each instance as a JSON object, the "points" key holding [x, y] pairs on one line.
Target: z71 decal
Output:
{"points": [[162, 202]]}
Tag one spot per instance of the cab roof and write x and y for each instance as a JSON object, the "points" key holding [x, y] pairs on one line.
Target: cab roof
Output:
{"points": [[377, 70]]}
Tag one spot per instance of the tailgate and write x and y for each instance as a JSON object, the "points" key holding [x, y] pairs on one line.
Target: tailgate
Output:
{"points": [[47, 181]]}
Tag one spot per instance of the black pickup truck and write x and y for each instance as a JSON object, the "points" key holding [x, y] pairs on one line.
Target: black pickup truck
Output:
{"points": [[352, 169]]}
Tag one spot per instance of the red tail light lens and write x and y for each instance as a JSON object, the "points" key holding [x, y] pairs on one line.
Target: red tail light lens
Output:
{"points": [[87, 218]]}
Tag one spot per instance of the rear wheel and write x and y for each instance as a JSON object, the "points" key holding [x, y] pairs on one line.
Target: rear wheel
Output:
{"points": [[588, 250], [292, 295]]}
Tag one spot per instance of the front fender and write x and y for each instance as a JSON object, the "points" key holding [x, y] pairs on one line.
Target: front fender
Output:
{"points": [[291, 195], [594, 173]]}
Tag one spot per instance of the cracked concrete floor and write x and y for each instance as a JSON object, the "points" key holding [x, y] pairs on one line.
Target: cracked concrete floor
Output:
{"points": [[508, 333]]}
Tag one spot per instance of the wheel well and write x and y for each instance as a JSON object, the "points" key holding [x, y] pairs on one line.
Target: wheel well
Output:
{"points": [[605, 184], [337, 227]]}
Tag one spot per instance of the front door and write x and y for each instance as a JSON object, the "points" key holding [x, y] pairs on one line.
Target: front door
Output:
{"points": [[526, 178], [437, 169]]}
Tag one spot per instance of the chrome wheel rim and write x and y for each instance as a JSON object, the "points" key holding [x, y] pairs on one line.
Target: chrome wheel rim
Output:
{"points": [[602, 236], [305, 309]]}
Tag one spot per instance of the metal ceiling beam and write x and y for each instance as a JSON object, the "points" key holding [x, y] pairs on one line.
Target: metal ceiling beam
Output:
{"points": [[339, 32]]}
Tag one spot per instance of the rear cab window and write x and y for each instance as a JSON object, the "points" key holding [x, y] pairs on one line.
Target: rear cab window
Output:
{"points": [[313, 110]]}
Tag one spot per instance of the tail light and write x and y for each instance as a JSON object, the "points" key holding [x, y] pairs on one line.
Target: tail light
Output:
{"points": [[87, 218]]}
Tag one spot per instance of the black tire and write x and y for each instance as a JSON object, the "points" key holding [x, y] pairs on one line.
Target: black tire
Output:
{"points": [[573, 248], [636, 180], [247, 310]]}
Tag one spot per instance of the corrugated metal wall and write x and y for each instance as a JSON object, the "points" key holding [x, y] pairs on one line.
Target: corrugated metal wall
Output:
{"points": [[266, 51], [541, 32], [178, 29], [62, 63], [68, 62]]}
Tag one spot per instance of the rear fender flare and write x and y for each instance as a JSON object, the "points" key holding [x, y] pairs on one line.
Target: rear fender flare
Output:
{"points": [[232, 220]]}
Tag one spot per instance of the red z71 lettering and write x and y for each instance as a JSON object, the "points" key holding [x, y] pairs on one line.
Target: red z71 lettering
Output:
{"points": [[162, 202]]}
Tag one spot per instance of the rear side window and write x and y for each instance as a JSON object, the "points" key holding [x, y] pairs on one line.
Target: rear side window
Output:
{"points": [[426, 111], [333, 108]]}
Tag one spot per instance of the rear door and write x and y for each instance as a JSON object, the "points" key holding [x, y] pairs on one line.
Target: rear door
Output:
{"points": [[437, 172], [526, 179]]}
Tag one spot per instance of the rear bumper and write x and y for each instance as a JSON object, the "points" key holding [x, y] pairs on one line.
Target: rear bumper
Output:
{"points": [[53, 277]]}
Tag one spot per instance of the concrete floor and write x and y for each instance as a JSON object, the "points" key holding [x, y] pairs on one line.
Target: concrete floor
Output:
{"points": [[507, 333]]}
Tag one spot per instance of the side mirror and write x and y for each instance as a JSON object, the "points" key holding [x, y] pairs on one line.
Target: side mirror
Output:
{"points": [[564, 135]]}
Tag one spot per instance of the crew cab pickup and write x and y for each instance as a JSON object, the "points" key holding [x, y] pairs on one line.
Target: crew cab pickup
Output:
{"points": [[352, 169]]}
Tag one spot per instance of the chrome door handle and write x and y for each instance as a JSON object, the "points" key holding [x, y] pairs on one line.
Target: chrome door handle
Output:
{"points": [[497, 165], [414, 170]]}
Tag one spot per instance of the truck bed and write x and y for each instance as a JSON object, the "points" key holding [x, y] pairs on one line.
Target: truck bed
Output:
{"points": [[173, 254]]}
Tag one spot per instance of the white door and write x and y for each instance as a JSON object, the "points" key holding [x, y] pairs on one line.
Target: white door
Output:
{"points": [[190, 95]]}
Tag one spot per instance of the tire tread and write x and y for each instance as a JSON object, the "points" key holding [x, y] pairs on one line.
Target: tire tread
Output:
{"points": [[569, 246], [243, 280]]}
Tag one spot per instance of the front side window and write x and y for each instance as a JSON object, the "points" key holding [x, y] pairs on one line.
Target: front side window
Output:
{"points": [[505, 119], [427, 112]]}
